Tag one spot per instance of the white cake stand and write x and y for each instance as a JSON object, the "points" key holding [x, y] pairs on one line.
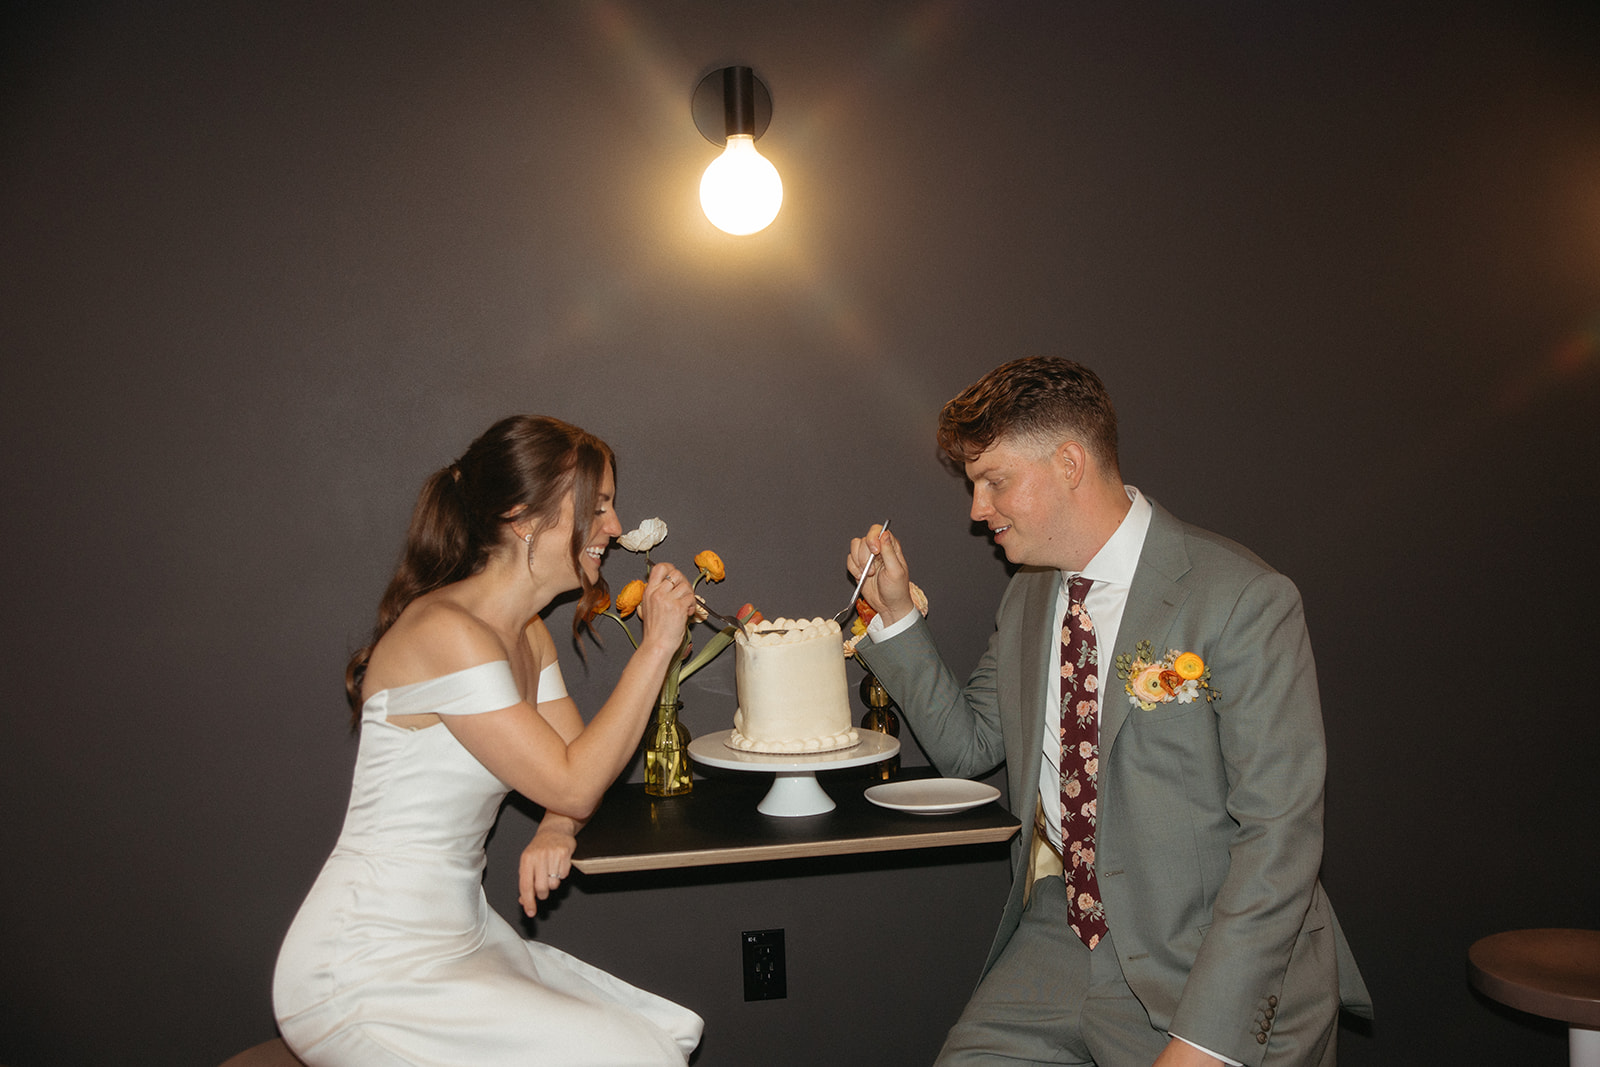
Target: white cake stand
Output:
{"points": [[795, 790]]}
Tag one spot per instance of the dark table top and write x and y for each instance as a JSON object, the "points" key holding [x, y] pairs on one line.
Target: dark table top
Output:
{"points": [[718, 823], [1553, 973]]}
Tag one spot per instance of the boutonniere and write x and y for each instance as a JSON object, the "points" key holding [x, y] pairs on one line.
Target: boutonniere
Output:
{"points": [[1180, 676]]}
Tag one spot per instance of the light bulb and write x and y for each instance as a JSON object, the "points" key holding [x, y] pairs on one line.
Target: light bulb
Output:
{"points": [[741, 191]]}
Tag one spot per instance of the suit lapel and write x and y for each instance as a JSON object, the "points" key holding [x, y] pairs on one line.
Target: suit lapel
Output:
{"points": [[1153, 602], [1038, 657]]}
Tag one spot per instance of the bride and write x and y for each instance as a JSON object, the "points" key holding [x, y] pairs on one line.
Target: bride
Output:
{"points": [[395, 957]]}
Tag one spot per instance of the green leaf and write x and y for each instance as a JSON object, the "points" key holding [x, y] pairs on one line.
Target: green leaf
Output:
{"points": [[713, 648]]}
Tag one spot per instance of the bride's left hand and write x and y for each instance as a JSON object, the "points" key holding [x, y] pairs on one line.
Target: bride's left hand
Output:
{"points": [[546, 861]]}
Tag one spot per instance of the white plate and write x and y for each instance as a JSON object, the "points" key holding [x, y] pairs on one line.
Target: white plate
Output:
{"points": [[932, 796]]}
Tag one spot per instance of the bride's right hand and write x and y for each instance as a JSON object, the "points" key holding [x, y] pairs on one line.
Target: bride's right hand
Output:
{"points": [[667, 605]]}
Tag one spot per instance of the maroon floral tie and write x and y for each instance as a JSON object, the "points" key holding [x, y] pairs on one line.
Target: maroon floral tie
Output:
{"points": [[1080, 763]]}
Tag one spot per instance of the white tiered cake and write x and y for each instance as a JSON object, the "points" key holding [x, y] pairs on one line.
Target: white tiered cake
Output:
{"points": [[792, 692]]}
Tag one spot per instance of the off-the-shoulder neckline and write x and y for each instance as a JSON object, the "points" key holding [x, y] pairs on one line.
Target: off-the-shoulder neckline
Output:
{"points": [[437, 678]]}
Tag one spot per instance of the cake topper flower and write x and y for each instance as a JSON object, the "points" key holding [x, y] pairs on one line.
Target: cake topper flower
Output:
{"points": [[1180, 676]]}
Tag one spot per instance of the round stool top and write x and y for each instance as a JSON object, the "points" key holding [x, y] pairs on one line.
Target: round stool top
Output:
{"points": [[1553, 973]]}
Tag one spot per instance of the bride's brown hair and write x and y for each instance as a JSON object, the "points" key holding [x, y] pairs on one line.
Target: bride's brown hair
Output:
{"points": [[521, 468]]}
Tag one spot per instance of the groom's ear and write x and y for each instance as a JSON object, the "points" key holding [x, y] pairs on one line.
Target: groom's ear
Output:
{"points": [[1071, 462]]}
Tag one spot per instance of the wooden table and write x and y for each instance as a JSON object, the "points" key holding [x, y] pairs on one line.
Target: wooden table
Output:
{"points": [[719, 823], [1553, 973]]}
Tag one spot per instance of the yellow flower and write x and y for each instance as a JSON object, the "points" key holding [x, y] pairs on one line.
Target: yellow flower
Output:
{"points": [[1189, 666], [628, 600], [710, 565]]}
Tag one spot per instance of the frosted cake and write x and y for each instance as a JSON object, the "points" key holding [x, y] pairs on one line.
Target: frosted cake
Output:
{"points": [[792, 692]]}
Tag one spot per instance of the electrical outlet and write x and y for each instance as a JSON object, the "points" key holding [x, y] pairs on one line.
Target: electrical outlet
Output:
{"points": [[764, 977]]}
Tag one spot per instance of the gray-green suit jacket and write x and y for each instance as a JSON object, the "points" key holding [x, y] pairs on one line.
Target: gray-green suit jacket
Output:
{"points": [[1209, 837]]}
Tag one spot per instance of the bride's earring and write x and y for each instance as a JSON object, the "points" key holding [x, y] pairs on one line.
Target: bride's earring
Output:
{"points": [[528, 537]]}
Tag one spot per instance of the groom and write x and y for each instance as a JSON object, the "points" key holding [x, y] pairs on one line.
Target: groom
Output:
{"points": [[1150, 688]]}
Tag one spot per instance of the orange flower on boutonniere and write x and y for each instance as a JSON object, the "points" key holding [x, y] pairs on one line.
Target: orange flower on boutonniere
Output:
{"points": [[1180, 676]]}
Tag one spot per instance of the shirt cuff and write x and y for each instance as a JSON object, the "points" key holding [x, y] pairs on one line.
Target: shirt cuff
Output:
{"points": [[878, 631], [1202, 1048]]}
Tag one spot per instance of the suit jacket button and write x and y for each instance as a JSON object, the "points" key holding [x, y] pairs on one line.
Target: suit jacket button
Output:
{"points": [[1272, 1001], [1271, 1012], [1261, 1039]]}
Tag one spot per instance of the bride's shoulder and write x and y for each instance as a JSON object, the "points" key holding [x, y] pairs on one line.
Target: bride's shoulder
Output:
{"points": [[437, 636]]}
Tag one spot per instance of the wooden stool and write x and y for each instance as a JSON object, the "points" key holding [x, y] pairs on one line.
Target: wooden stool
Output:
{"points": [[1553, 973], [272, 1053]]}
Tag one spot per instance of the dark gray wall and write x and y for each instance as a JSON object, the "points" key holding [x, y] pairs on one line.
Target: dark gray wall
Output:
{"points": [[267, 265]]}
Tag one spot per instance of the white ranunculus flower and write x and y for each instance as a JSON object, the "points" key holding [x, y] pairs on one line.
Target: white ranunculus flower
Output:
{"points": [[651, 532]]}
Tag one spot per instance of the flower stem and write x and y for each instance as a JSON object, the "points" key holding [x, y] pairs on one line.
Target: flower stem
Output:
{"points": [[614, 615], [669, 684], [723, 639]]}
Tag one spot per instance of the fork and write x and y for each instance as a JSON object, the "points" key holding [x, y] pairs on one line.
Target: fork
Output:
{"points": [[720, 617], [839, 617], [848, 608]]}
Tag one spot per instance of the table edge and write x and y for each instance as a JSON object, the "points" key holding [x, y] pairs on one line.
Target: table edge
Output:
{"points": [[793, 850]]}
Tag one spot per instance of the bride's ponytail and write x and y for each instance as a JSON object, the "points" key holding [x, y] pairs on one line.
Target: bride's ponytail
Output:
{"points": [[436, 553], [520, 467]]}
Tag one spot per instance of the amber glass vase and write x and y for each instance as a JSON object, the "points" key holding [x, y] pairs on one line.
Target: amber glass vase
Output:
{"points": [[666, 753], [883, 716]]}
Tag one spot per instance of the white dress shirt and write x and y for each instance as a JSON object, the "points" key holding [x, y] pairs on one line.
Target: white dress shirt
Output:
{"points": [[1111, 570]]}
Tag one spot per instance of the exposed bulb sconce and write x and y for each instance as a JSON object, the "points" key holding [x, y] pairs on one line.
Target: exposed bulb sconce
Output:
{"points": [[741, 191]]}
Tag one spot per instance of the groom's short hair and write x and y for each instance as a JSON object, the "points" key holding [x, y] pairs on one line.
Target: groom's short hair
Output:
{"points": [[1041, 398]]}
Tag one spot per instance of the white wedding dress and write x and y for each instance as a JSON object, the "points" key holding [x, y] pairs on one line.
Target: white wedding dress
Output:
{"points": [[396, 957]]}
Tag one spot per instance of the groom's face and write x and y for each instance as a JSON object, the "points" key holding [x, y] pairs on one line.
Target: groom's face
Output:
{"points": [[1021, 491]]}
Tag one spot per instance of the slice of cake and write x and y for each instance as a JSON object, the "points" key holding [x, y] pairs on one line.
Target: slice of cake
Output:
{"points": [[792, 692]]}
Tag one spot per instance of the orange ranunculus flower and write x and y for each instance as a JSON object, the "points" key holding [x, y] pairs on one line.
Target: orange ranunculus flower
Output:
{"points": [[1189, 666], [710, 565], [1171, 681], [628, 600], [864, 611]]}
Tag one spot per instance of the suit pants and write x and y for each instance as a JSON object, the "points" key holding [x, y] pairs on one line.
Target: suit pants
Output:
{"points": [[1049, 1000]]}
